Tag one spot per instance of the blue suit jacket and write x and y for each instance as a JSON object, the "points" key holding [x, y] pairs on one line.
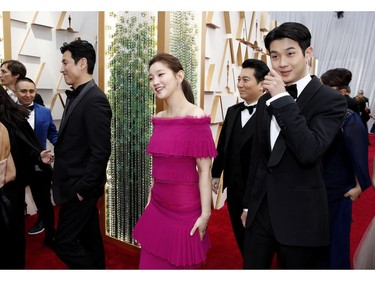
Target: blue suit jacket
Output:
{"points": [[44, 127]]}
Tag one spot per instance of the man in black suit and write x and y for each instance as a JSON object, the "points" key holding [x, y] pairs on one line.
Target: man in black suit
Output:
{"points": [[82, 152], [286, 209], [234, 145]]}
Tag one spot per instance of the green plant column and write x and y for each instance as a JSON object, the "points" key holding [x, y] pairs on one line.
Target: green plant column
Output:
{"points": [[184, 44], [132, 43]]}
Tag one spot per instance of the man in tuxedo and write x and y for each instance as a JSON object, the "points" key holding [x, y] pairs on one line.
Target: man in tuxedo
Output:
{"points": [[234, 145], [285, 205], [82, 151], [40, 119]]}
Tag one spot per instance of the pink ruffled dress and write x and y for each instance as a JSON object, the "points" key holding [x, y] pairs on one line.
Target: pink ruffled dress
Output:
{"points": [[164, 228]]}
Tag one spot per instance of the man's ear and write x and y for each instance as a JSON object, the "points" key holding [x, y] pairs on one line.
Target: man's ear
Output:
{"points": [[309, 53], [83, 63]]}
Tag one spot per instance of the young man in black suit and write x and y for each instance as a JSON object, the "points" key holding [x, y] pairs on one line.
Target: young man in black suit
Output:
{"points": [[234, 145], [82, 152], [285, 205]]}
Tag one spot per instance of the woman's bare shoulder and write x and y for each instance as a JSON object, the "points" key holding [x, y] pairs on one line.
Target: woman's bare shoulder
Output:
{"points": [[196, 111]]}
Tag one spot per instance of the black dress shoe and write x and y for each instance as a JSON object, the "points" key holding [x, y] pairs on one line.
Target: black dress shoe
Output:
{"points": [[37, 228]]}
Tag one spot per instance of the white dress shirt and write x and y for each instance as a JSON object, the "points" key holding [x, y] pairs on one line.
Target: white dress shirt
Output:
{"points": [[274, 126], [12, 95], [245, 115]]}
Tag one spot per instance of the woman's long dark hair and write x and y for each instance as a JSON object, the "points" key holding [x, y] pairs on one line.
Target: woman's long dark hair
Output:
{"points": [[11, 113]]}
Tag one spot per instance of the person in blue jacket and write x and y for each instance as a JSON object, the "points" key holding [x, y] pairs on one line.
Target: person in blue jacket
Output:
{"points": [[40, 119], [346, 174]]}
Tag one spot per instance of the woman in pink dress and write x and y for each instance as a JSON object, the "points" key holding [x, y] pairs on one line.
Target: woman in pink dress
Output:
{"points": [[172, 229]]}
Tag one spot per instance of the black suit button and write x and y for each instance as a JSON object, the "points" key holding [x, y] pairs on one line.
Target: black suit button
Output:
{"points": [[269, 170]]}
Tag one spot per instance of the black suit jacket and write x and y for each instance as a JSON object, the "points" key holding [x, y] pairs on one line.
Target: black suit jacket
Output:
{"points": [[221, 161], [291, 174], [83, 147], [25, 149]]}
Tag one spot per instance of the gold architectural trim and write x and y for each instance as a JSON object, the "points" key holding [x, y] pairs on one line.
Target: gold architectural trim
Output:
{"points": [[228, 42], [61, 20], [55, 96], [239, 34], [209, 18], [24, 40], [101, 50], [239, 55], [7, 36], [210, 74], [163, 31], [101, 84], [58, 86], [217, 103], [222, 61], [228, 28], [163, 45], [41, 68], [34, 17]]}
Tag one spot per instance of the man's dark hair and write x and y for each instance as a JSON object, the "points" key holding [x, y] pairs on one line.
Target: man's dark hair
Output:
{"points": [[337, 77], [15, 67], [81, 49], [260, 68], [292, 30], [26, 79]]}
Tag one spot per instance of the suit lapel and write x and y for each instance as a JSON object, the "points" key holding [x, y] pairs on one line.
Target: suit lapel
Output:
{"points": [[36, 118], [231, 119], [262, 119], [277, 151], [303, 99], [306, 95], [247, 131], [67, 113], [27, 134]]}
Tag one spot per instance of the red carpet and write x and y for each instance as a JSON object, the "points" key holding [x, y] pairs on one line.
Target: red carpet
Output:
{"points": [[223, 254]]}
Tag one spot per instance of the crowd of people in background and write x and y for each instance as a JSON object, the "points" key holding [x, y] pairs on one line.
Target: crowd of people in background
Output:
{"points": [[82, 147], [293, 156]]}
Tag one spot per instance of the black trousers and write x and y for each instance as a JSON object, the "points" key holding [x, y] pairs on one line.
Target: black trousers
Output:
{"points": [[234, 201], [40, 186], [12, 239], [261, 245], [79, 241]]}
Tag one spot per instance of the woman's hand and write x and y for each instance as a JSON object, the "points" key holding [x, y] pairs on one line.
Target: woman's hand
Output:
{"points": [[201, 225]]}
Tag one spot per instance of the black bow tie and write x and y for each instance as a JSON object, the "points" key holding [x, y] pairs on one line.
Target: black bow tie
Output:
{"points": [[292, 90], [31, 107], [249, 108], [71, 94]]}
